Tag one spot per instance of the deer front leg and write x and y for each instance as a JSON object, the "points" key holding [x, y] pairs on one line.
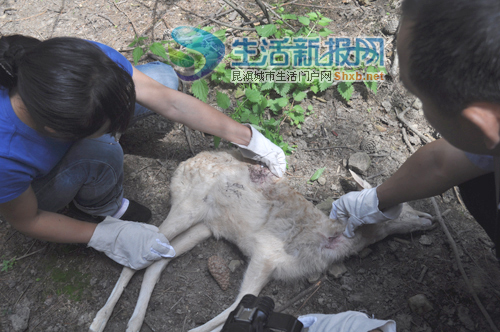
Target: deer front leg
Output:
{"points": [[257, 275], [103, 315], [182, 243]]}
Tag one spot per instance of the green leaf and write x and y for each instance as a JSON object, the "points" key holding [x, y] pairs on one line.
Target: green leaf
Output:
{"points": [[310, 107], [289, 17], [158, 49], [325, 32], [314, 89], [137, 54], [221, 34], [239, 93], [324, 85], [252, 95], [304, 20], [372, 86], [282, 88], [282, 102], [324, 21], [223, 100], [267, 86], [313, 16], [345, 89], [200, 89], [299, 96], [207, 28], [317, 174], [266, 30], [216, 142]]}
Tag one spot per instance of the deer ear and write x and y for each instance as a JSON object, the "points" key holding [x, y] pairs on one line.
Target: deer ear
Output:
{"points": [[486, 117]]}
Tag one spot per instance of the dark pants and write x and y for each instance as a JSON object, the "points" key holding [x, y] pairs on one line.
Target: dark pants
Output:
{"points": [[480, 199]]}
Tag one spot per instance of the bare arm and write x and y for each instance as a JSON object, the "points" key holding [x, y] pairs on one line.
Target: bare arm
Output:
{"points": [[23, 214], [179, 107], [430, 171]]}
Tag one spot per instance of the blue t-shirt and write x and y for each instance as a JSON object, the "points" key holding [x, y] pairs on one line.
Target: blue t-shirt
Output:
{"points": [[25, 154]]}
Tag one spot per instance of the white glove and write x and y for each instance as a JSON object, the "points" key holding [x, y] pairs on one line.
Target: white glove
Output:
{"points": [[345, 322], [361, 207], [263, 150], [129, 243]]}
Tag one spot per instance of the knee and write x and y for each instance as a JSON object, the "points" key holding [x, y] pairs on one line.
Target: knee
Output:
{"points": [[104, 150], [161, 73]]}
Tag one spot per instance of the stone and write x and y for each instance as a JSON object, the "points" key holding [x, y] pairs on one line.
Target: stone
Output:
{"points": [[359, 162], [234, 264], [425, 240], [326, 205], [419, 304], [391, 27], [417, 104], [299, 132], [19, 319], [387, 105], [321, 180], [337, 270], [315, 277]]}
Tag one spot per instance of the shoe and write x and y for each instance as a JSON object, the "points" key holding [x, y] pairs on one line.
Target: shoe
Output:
{"points": [[73, 212], [136, 212]]}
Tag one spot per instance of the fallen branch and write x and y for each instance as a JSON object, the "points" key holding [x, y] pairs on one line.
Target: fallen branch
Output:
{"points": [[235, 7], [264, 10], [232, 26], [460, 267], [302, 294], [229, 11], [401, 118], [407, 141]]}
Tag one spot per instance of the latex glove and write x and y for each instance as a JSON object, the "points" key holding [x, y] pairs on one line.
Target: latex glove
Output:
{"points": [[263, 150], [129, 243], [348, 321], [361, 207]]}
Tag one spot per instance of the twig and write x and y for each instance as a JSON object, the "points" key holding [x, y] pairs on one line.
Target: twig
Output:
{"points": [[407, 141], [232, 26], [264, 10], [313, 6], [422, 274], [229, 11], [309, 297], [27, 255], [124, 13], [401, 118], [235, 7], [455, 189], [277, 15], [330, 147], [107, 18], [302, 294], [188, 138], [460, 267]]}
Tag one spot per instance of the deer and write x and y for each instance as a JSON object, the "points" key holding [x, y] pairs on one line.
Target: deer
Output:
{"points": [[284, 235]]}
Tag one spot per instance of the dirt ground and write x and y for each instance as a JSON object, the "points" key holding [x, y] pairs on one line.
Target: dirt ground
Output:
{"points": [[60, 287]]}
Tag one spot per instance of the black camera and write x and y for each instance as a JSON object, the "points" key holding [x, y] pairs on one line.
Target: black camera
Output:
{"points": [[255, 314]]}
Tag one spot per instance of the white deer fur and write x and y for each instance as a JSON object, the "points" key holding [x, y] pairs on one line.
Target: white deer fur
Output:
{"points": [[284, 236]]}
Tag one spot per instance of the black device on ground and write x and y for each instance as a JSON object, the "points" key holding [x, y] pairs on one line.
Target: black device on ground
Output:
{"points": [[255, 314]]}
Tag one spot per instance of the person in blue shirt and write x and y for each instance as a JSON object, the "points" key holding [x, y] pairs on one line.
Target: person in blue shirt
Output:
{"points": [[449, 55], [62, 100]]}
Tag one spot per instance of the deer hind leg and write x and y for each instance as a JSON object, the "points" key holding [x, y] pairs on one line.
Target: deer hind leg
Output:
{"points": [[409, 221], [182, 243], [257, 275], [103, 315]]}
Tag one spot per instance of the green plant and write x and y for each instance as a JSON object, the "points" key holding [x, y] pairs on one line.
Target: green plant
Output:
{"points": [[316, 175], [7, 264]]}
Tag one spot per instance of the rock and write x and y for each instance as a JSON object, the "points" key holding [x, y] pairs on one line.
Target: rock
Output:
{"points": [[218, 269], [425, 240], [391, 26], [463, 315], [386, 105], [326, 205], [417, 104], [321, 180], [419, 304], [359, 162], [337, 270], [299, 132], [312, 279], [234, 264], [321, 301], [19, 319]]}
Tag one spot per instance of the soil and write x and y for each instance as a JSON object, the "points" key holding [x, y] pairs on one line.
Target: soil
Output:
{"points": [[60, 287]]}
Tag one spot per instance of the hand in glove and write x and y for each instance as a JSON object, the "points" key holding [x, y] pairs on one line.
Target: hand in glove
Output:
{"points": [[361, 207], [263, 150], [345, 321], [129, 243]]}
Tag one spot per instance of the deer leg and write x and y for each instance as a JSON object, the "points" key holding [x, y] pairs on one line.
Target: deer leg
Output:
{"points": [[257, 275], [103, 315], [182, 243]]}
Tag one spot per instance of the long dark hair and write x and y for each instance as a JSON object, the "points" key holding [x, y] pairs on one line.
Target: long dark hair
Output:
{"points": [[67, 84]]}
